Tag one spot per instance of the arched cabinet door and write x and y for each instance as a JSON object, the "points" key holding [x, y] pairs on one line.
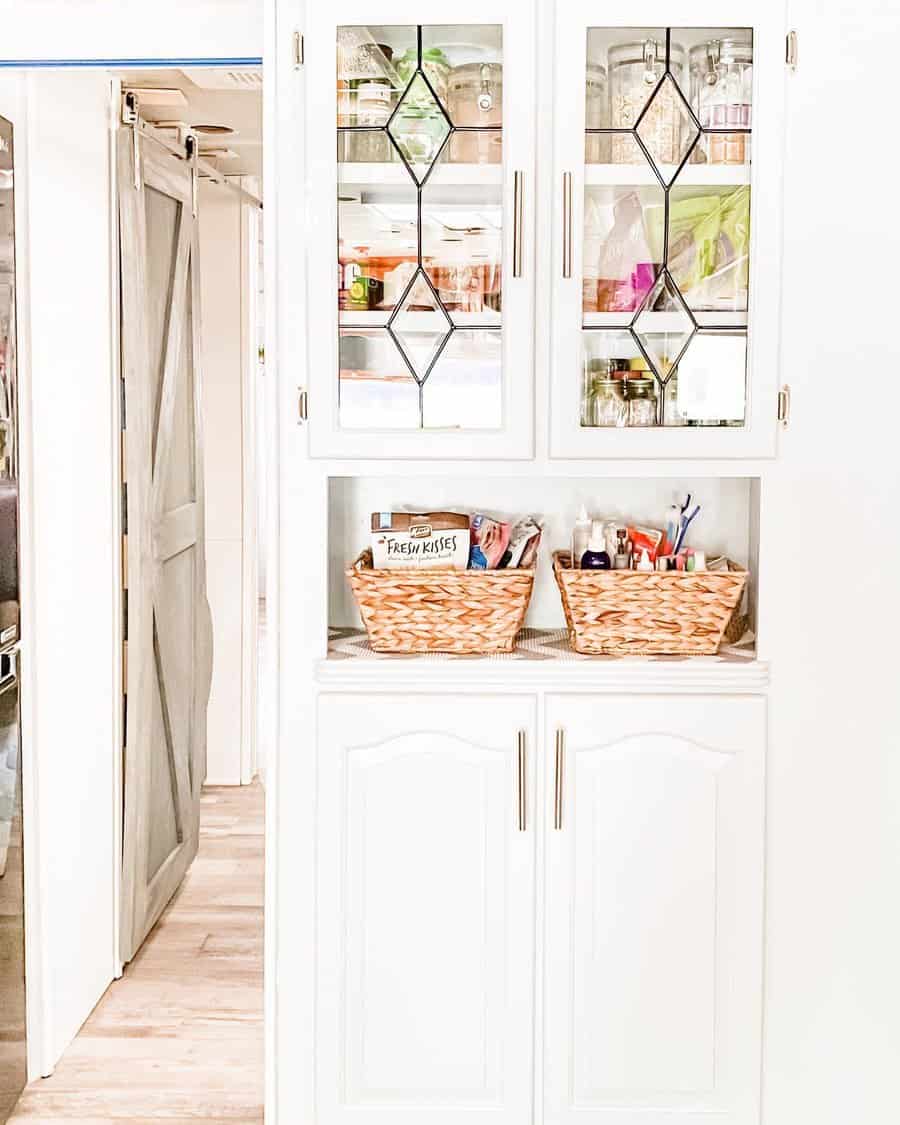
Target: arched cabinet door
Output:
{"points": [[425, 909], [654, 909]]}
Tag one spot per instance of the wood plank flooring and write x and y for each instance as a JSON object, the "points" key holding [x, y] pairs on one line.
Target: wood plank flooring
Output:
{"points": [[179, 1039]]}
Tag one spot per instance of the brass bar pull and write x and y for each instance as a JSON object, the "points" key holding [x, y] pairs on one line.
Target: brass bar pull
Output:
{"points": [[518, 220], [567, 225], [522, 782], [558, 782]]}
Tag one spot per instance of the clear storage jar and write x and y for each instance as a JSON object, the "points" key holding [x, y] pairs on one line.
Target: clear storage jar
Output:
{"points": [[596, 114], [721, 97], [642, 403], [635, 70], [475, 101], [608, 402]]}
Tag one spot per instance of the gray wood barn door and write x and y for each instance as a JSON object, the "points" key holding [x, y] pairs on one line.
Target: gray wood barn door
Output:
{"points": [[169, 641]]}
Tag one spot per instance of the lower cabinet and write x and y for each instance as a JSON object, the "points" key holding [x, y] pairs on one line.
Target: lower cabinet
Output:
{"points": [[653, 910], [425, 909], [649, 959]]}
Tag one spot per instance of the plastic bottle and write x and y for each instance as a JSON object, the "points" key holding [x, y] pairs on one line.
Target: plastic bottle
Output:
{"points": [[581, 535], [596, 556]]}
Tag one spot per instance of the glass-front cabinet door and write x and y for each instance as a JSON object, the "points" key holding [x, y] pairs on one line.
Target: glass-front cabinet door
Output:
{"points": [[667, 200], [420, 150]]}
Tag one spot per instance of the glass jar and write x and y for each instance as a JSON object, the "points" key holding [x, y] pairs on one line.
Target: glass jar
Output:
{"points": [[721, 73], [608, 402], [475, 101], [672, 415], [642, 404], [635, 70], [596, 114], [366, 101], [418, 132]]}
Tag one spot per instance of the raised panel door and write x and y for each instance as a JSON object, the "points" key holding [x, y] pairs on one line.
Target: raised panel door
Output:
{"points": [[654, 900], [425, 909]]}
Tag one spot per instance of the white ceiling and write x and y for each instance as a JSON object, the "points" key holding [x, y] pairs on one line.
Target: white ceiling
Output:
{"points": [[237, 104]]}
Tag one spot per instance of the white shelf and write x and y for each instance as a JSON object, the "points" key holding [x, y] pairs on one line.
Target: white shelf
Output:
{"points": [[665, 321], [352, 174], [423, 320], [692, 175], [541, 661]]}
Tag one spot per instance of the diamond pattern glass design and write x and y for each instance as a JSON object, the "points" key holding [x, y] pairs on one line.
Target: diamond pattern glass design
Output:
{"points": [[667, 129], [420, 327], [420, 226], [666, 235], [419, 128], [664, 327]]}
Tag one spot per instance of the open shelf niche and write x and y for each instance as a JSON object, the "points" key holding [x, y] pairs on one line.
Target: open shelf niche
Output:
{"points": [[727, 525]]}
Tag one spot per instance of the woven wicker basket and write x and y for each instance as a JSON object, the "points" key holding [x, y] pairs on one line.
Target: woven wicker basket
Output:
{"points": [[632, 612], [458, 611]]}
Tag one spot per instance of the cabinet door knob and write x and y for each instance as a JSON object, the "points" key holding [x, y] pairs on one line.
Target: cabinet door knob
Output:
{"points": [[558, 780]]}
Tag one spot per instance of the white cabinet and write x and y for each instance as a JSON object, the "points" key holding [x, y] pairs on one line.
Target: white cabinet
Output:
{"points": [[654, 909], [651, 809], [667, 238], [425, 909], [420, 153]]}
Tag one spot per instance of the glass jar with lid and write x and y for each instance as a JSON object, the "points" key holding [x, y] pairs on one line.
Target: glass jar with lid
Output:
{"points": [[642, 403], [596, 114], [721, 73], [635, 70], [608, 402], [475, 101]]}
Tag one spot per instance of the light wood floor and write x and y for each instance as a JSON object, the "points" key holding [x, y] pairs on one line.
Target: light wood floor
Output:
{"points": [[179, 1039]]}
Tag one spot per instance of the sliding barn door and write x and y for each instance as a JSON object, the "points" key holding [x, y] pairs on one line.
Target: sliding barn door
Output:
{"points": [[169, 646]]}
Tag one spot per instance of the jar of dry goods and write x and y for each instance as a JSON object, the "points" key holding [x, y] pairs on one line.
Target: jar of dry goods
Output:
{"points": [[475, 99], [672, 415], [721, 97], [635, 70]]}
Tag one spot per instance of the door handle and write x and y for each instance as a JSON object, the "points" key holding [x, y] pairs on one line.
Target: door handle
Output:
{"points": [[567, 225], [522, 781], [518, 220], [558, 780]]}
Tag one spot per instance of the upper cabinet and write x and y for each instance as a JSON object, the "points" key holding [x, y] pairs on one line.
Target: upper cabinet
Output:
{"points": [[426, 141], [667, 206], [420, 152]]}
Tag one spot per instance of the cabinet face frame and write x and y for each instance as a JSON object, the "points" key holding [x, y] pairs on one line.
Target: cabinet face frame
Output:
{"points": [[516, 437], [757, 437], [712, 754]]}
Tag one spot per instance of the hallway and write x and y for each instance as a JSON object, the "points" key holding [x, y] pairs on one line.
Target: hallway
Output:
{"points": [[180, 1037]]}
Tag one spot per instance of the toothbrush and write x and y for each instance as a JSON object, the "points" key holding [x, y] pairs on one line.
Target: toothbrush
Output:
{"points": [[686, 522]]}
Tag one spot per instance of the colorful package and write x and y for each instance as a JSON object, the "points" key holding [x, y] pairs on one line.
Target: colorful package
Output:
{"points": [[489, 540]]}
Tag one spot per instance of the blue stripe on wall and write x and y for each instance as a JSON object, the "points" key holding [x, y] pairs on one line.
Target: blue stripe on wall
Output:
{"points": [[23, 64]]}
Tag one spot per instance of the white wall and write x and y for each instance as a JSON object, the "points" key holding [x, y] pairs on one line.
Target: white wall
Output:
{"points": [[70, 624], [131, 29], [832, 1047], [227, 329]]}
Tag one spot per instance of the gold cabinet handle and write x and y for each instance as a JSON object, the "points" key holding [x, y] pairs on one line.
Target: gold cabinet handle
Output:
{"points": [[558, 780], [567, 225], [522, 781], [518, 220]]}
